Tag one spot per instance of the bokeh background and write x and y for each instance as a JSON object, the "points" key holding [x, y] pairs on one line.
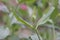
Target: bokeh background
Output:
{"points": [[29, 19]]}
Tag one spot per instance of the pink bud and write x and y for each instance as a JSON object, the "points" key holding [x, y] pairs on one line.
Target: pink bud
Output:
{"points": [[23, 7]]}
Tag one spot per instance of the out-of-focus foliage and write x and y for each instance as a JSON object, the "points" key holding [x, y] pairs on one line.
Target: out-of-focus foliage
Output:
{"points": [[27, 1], [29, 19]]}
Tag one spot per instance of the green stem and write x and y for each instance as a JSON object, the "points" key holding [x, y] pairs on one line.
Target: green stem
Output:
{"points": [[53, 33], [38, 34], [26, 23]]}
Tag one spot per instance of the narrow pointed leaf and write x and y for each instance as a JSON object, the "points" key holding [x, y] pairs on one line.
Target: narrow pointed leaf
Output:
{"points": [[45, 16]]}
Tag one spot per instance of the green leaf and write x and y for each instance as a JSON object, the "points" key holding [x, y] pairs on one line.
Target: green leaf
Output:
{"points": [[54, 14], [39, 14], [15, 27], [45, 3], [54, 2], [27, 1], [21, 20], [23, 14], [45, 16], [33, 16]]}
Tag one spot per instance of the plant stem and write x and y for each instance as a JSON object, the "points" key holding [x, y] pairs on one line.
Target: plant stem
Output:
{"points": [[38, 34], [53, 32], [26, 23]]}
